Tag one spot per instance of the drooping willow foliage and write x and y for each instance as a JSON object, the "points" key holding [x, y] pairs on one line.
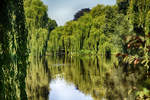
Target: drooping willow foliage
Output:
{"points": [[13, 50], [123, 28], [27, 31], [99, 31], [39, 26]]}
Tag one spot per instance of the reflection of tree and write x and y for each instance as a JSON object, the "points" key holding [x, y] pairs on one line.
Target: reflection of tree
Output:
{"points": [[37, 81], [85, 73], [93, 75]]}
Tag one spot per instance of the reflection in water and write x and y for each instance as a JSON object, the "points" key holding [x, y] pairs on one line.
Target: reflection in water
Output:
{"points": [[78, 78], [94, 76], [86, 73], [61, 90], [37, 81]]}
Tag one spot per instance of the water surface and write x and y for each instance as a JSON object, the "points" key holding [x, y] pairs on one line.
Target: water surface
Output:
{"points": [[77, 78], [61, 90]]}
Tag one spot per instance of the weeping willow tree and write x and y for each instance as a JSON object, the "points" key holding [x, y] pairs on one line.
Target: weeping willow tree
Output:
{"points": [[98, 31], [14, 52], [39, 26]]}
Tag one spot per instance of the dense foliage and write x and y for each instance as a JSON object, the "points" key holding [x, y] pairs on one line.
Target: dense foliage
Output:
{"points": [[122, 29], [138, 44], [107, 30], [39, 26], [98, 32], [13, 50], [26, 33]]}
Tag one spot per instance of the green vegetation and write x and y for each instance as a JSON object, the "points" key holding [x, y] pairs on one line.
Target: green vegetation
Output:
{"points": [[99, 31], [27, 34], [39, 26], [24, 33], [13, 54], [122, 29]]}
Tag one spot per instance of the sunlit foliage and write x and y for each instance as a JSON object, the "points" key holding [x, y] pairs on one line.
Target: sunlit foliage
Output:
{"points": [[39, 26], [99, 31]]}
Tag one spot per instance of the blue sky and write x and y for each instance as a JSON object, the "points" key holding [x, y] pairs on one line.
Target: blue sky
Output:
{"points": [[63, 10]]}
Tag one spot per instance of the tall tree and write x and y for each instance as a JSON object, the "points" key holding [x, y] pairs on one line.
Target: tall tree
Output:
{"points": [[14, 53]]}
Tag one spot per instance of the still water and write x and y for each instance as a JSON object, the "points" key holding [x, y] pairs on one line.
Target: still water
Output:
{"points": [[77, 78]]}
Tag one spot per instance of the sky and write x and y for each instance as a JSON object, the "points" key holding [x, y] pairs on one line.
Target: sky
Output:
{"points": [[64, 10], [61, 90]]}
